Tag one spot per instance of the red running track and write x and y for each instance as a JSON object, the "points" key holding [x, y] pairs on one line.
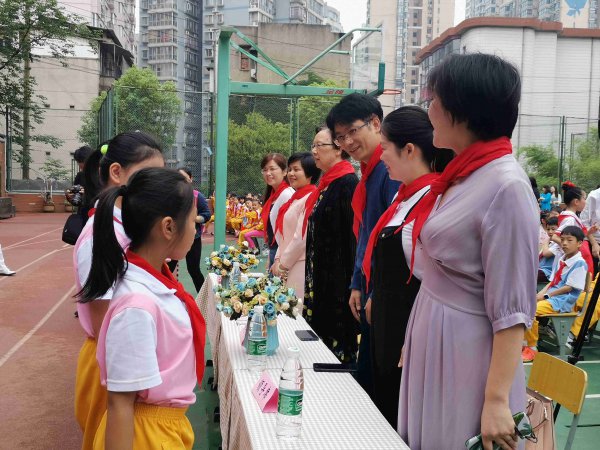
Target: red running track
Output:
{"points": [[39, 337]]}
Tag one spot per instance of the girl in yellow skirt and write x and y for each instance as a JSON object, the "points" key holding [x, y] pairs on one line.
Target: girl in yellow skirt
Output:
{"points": [[151, 343], [111, 165]]}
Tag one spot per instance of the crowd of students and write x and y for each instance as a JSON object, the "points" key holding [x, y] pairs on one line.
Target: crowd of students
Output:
{"points": [[422, 271]]}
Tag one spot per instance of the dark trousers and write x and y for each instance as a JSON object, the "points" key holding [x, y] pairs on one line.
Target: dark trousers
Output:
{"points": [[364, 366], [192, 260]]}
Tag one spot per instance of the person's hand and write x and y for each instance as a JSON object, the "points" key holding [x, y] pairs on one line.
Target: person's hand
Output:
{"points": [[498, 426], [354, 303], [401, 362], [368, 311], [593, 229], [539, 297], [596, 251]]}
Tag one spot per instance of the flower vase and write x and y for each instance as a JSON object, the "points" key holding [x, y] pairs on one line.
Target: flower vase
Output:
{"points": [[272, 338]]}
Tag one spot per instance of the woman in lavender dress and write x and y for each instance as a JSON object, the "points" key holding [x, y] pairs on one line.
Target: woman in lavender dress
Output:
{"points": [[462, 370]]}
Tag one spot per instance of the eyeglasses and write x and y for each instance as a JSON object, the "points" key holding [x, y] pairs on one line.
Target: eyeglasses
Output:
{"points": [[319, 145], [339, 140]]}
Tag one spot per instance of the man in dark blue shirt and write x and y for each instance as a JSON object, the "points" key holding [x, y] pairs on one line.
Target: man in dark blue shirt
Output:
{"points": [[355, 123]]}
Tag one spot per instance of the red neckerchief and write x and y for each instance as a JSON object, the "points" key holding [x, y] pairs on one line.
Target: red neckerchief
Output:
{"points": [[472, 158], [359, 199], [558, 273], [198, 323], [563, 215], [300, 193], [404, 192], [264, 214], [339, 170], [91, 212]]}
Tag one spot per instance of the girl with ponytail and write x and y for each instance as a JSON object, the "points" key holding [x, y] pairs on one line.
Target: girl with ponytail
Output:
{"points": [[110, 165], [151, 342], [575, 198]]}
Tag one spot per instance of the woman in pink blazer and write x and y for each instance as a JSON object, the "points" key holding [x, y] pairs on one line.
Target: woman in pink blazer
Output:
{"points": [[302, 174]]}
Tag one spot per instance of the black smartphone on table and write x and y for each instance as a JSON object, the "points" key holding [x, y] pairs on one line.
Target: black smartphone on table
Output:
{"points": [[334, 367], [307, 335]]}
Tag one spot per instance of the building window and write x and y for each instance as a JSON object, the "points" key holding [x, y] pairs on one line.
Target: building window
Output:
{"points": [[244, 62]]}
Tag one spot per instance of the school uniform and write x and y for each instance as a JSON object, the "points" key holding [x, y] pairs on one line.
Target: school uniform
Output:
{"points": [[392, 300], [547, 262], [146, 345], [568, 272], [90, 395]]}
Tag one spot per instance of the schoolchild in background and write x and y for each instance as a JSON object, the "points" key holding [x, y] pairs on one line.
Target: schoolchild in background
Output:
{"points": [[151, 344], [560, 295], [575, 199], [113, 164], [550, 250]]}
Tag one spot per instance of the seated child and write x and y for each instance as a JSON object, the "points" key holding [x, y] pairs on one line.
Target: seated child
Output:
{"points": [[238, 216], [251, 220], [559, 296], [549, 251]]}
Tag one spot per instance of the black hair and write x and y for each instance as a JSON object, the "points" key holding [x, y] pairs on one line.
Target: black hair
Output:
{"points": [[150, 195], [574, 231], [482, 90], [533, 182], [307, 161], [410, 124], [351, 108], [546, 187], [552, 221], [186, 170], [571, 192], [82, 153]]}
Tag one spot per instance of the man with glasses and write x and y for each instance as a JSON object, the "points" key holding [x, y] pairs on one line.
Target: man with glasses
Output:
{"points": [[355, 124]]}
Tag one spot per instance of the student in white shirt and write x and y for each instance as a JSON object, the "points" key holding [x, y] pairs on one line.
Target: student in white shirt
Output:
{"points": [[151, 343]]}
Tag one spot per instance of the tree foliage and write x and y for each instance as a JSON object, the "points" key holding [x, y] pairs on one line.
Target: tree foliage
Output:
{"points": [[54, 168], [141, 102], [582, 168], [26, 25], [248, 143]]}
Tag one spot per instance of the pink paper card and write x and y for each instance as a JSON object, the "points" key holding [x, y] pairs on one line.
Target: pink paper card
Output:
{"points": [[266, 394]]}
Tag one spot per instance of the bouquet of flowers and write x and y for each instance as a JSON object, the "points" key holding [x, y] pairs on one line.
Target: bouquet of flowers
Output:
{"points": [[221, 262], [272, 293]]}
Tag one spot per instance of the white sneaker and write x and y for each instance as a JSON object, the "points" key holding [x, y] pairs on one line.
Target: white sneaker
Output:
{"points": [[6, 271]]}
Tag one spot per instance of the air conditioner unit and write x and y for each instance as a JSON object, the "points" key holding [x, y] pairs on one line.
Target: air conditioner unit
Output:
{"points": [[253, 74]]}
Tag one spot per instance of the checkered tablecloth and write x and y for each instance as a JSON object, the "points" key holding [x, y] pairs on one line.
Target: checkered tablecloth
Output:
{"points": [[338, 413]]}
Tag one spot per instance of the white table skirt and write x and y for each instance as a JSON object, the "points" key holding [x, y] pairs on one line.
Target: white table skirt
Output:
{"points": [[337, 412]]}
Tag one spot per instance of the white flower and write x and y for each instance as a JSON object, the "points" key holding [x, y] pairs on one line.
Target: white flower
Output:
{"points": [[214, 254], [295, 312], [231, 248], [285, 306]]}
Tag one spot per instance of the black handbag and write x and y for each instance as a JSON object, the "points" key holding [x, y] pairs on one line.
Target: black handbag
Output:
{"points": [[72, 229]]}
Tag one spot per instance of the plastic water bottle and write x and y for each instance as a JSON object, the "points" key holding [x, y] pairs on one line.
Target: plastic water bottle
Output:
{"points": [[257, 341], [236, 275], [291, 390]]}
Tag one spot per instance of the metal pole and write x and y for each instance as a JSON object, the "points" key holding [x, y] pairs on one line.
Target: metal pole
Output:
{"points": [[561, 150], [572, 153], [223, 88]]}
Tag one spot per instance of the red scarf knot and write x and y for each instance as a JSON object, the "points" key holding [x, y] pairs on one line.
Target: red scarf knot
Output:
{"points": [[197, 321], [405, 192], [300, 193], [339, 170], [266, 210]]}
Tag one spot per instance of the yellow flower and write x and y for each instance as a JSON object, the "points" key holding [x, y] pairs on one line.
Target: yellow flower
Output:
{"points": [[235, 298], [248, 293], [226, 263], [237, 307], [262, 300], [245, 310], [215, 262], [214, 254]]}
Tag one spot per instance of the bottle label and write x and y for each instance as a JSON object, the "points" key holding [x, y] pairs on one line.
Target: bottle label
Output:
{"points": [[290, 403], [257, 347]]}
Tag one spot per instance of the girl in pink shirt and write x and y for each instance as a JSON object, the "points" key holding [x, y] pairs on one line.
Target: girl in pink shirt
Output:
{"points": [[113, 163], [151, 343]]}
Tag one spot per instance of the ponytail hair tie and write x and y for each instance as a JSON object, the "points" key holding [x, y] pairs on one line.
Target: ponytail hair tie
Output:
{"points": [[123, 190], [104, 149]]}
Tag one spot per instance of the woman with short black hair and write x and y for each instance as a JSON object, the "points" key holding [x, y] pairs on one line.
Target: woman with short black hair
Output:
{"points": [[478, 226]]}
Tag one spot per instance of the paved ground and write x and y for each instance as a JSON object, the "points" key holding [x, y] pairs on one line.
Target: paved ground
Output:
{"points": [[40, 340]]}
